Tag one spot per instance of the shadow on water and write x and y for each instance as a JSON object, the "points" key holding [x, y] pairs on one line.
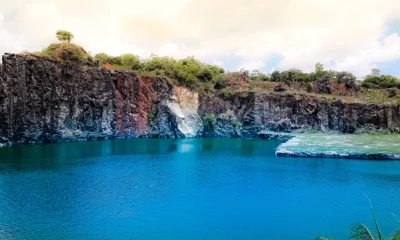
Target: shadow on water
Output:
{"points": [[62, 154], [52, 156], [246, 147]]}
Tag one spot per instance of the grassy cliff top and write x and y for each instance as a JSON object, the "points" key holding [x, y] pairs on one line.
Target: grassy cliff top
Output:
{"points": [[209, 79], [66, 52]]}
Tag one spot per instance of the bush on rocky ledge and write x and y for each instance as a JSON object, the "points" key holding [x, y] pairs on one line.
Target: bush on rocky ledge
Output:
{"points": [[67, 53], [209, 123]]}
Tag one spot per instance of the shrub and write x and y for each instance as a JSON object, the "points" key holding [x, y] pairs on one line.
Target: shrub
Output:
{"points": [[259, 76], [209, 122], [309, 87], [383, 81], [361, 232], [186, 70], [115, 61], [66, 52], [345, 77], [295, 75], [190, 80], [388, 81], [275, 76], [154, 63], [220, 84], [205, 74], [64, 36], [319, 70], [216, 69], [264, 77], [131, 61], [102, 57]]}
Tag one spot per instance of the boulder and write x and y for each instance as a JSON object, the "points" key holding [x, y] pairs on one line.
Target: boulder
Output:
{"points": [[323, 86], [279, 88], [283, 125]]}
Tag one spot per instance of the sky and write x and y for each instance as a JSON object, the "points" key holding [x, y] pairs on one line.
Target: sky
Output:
{"points": [[345, 35]]}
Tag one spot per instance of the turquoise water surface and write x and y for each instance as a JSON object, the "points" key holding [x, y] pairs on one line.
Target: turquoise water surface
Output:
{"points": [[188, 189]]}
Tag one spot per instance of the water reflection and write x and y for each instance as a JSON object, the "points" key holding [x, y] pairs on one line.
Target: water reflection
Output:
{"points": [[52, 156]]}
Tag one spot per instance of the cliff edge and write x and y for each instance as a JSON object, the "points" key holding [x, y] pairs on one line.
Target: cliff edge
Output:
{"points": [[42, 100]]}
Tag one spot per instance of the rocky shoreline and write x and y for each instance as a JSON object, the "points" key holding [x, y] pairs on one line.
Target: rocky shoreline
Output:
{"points": [[354, 155], [42, 100]]}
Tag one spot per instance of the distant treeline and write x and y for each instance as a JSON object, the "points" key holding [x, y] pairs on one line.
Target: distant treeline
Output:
{"points": [[198, 75], [191, 72]]}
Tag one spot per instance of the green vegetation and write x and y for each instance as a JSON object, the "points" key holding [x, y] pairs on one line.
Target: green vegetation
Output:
{"points": [[208, 78], [362, 232], [187, 72], [210, 123], [309, 87], [64, 36], [298, 76], [67, 52], [152, 118], [379, 82]]}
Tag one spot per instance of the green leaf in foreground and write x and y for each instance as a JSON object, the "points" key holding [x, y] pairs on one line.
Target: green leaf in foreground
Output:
{"points": [[360, 232], [396, 236], [376, 221]]}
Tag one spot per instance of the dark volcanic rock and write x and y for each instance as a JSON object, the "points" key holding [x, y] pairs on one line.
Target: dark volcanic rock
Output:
{"points": [[368, 156], [353, 86], [42, 100], [283, 125], [285, 112], [323, 85], [279, 88]]}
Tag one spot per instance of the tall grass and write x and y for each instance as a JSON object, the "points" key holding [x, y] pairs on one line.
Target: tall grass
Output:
{"points": [[362, 232]]}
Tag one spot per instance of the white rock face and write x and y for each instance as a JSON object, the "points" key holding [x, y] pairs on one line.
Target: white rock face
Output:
{"points": [[174, 106], [185, 107]]}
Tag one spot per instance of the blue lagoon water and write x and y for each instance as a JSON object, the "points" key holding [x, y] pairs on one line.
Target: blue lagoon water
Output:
{"points": [[188, 189]]}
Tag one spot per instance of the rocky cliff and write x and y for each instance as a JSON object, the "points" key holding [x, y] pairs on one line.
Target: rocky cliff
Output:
{"points": [[42, 100], [251, 114]]}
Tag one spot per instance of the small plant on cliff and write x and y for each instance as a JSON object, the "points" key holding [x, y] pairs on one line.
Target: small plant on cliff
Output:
{"points": [[209, 122], [64, 36], [309, 87], [237, 126], [152, 118]]}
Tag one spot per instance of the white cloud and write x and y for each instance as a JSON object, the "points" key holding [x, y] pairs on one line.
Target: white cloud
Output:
{"points": [[360, 62], [251, 65], [218, 63], [341, 34]]}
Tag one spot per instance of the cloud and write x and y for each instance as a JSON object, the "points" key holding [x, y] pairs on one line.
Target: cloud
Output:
{"points": [[342, 34], [217, 62], [251, 65]]}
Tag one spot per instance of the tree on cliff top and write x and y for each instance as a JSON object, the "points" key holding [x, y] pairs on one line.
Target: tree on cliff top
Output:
{"points": [[319, 70], [64, 36], [375, 72]]}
